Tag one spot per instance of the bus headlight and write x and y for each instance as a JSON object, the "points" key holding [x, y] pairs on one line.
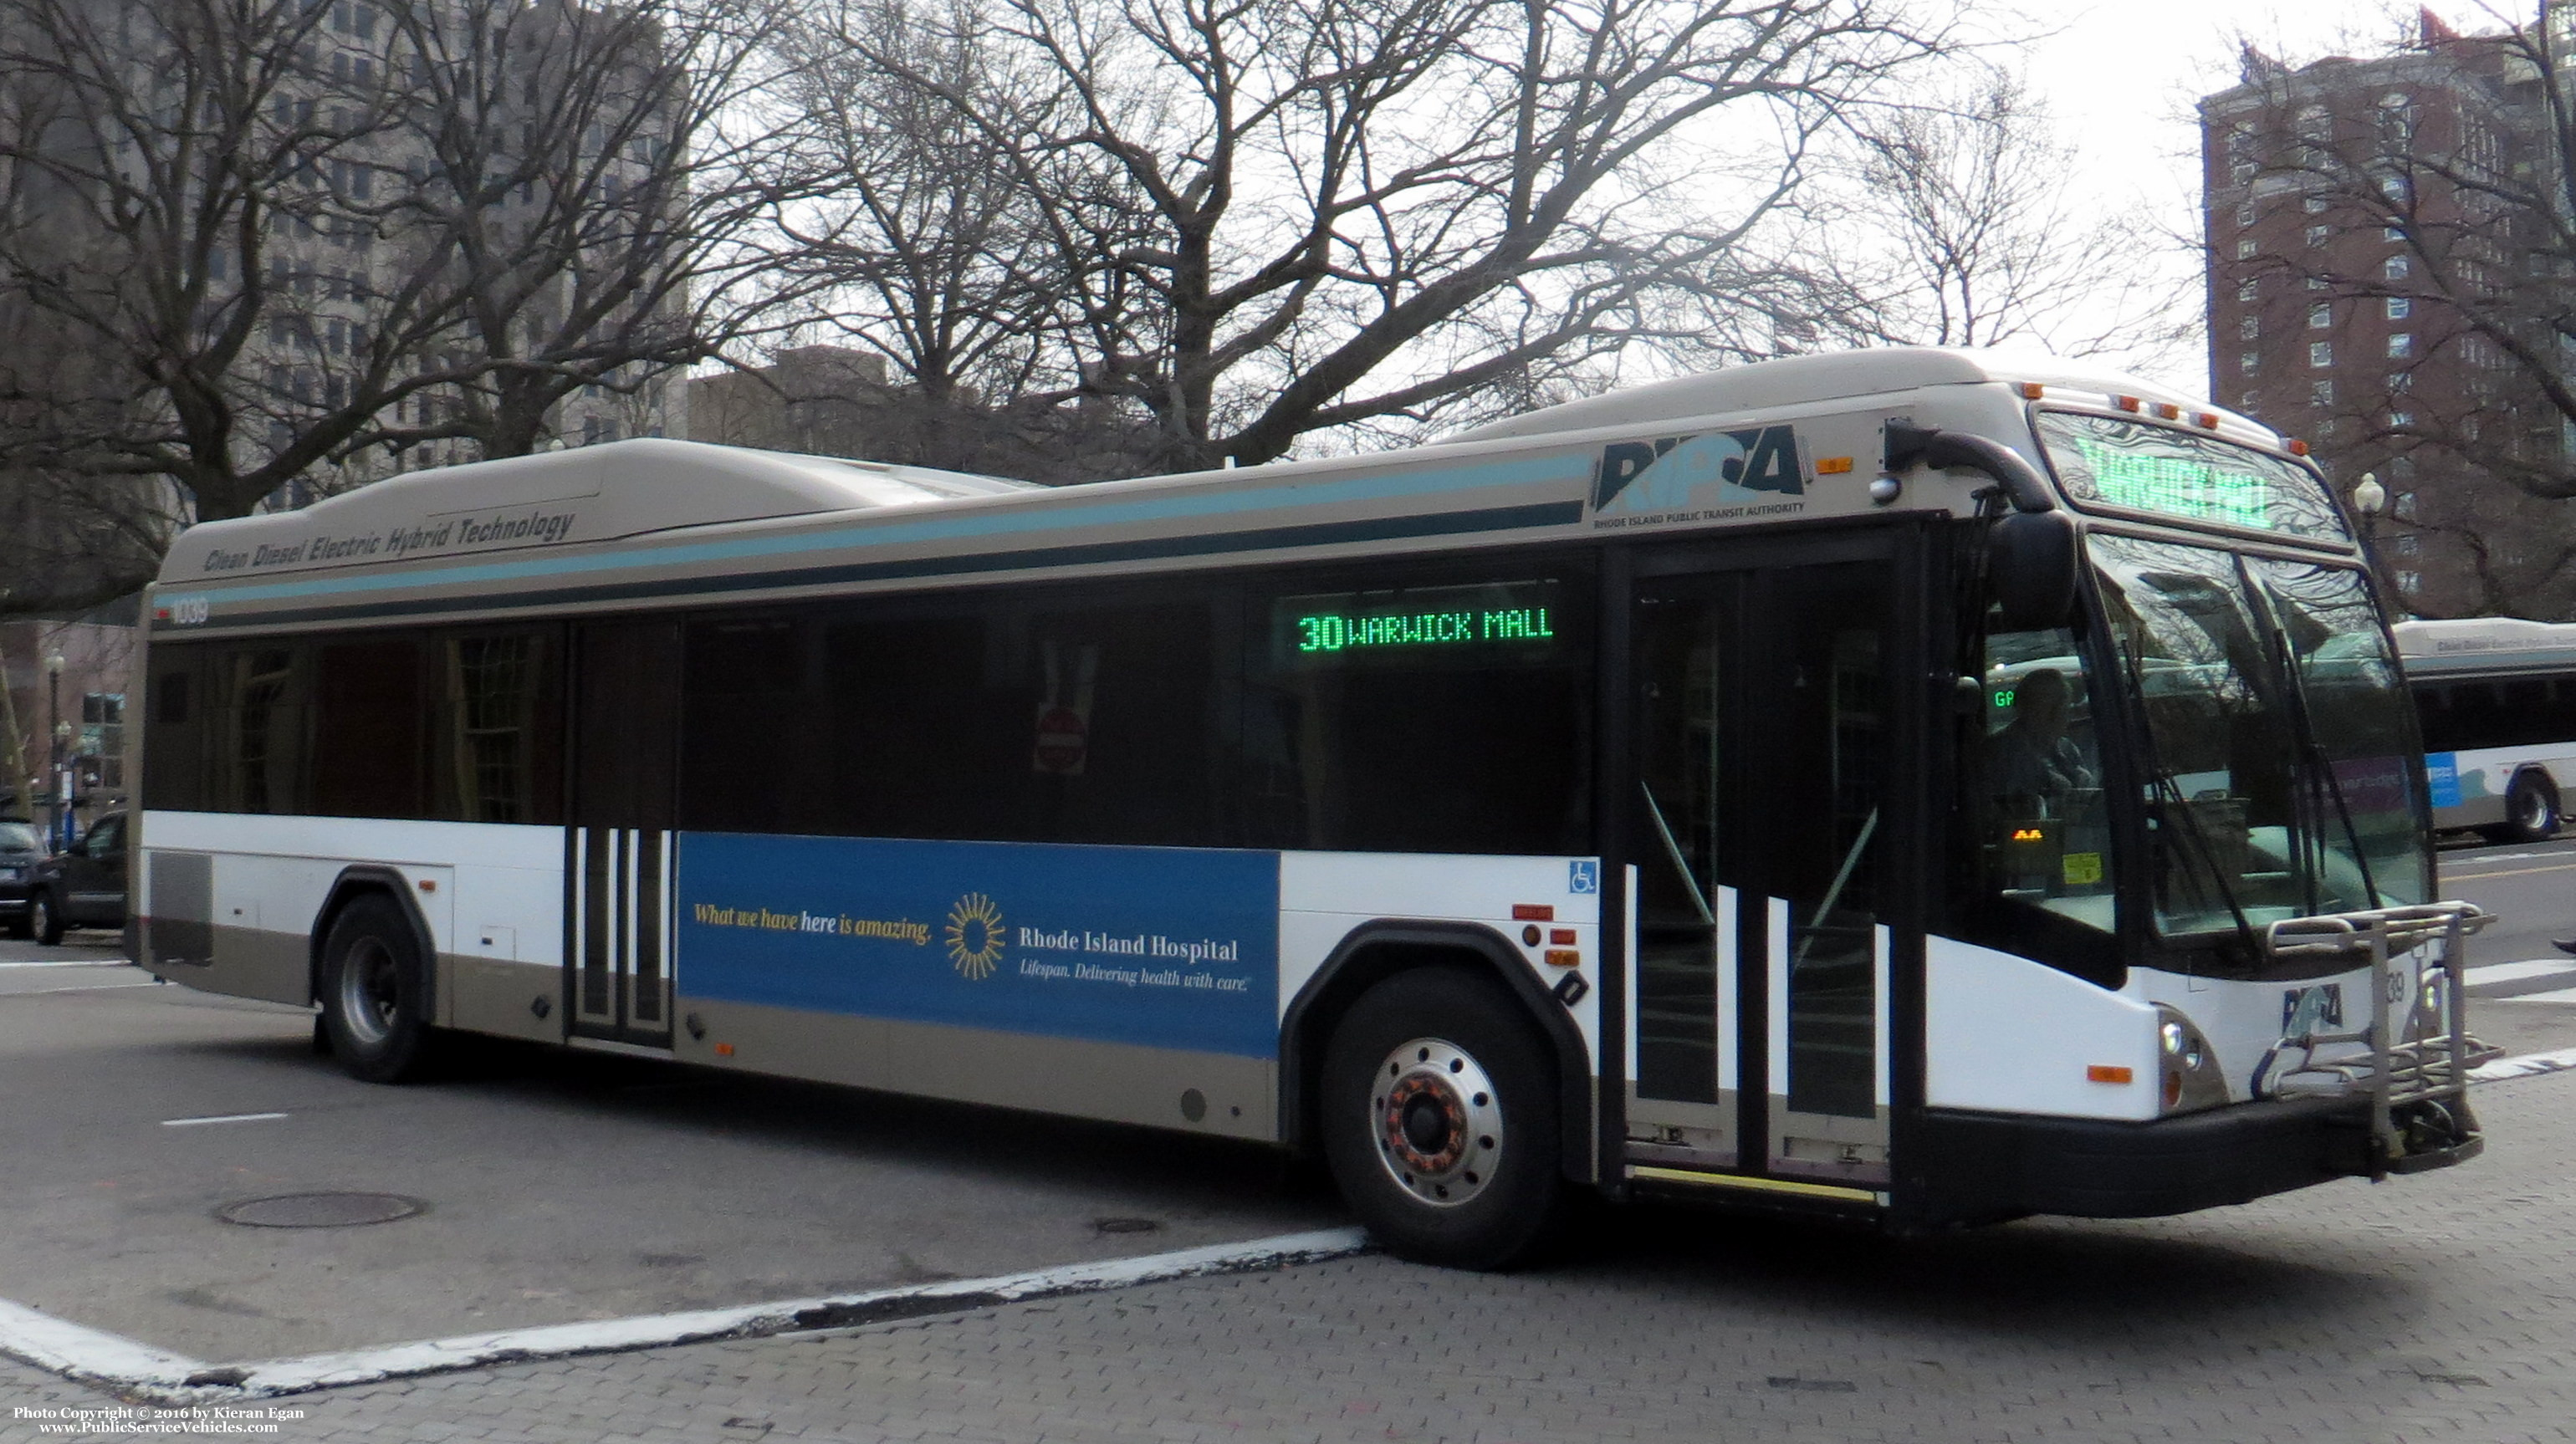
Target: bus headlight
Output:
{"points": [[2191, 1080]]}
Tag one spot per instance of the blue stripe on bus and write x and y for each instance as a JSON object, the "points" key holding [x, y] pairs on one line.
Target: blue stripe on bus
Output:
{"points": [[1451, 523], [981, 522], [1161, 947]]}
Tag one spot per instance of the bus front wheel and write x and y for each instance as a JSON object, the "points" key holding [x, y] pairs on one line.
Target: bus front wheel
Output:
{"points": [[1439, 1121], [2530, 810], [375, 992]]}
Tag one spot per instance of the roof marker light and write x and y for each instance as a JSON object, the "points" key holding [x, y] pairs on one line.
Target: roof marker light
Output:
{"points": [[2205, 420], [2032, 391], [2168, 411], [2126, 403], [2297, 447]]}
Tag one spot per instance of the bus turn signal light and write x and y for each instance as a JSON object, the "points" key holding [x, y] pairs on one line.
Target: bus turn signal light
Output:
{"points": [[2108, 1073], [1564, 958]]}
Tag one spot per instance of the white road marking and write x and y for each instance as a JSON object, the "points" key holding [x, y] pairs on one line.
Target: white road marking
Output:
{"points": [[2528, 1065], [69, 963], [82, 988], [2555, 995], [219, 1118], [139, 1369], [2516, 972]]}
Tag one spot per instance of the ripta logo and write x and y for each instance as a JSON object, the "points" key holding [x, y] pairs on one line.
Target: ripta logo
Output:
{"points": [[1681, 473]]}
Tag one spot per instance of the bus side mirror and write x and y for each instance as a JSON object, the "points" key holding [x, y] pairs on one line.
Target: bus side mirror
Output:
{"points": [[2030, 570]]}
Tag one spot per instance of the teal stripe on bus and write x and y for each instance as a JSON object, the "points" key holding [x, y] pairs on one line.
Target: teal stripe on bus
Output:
{"points": [[981, 522]]}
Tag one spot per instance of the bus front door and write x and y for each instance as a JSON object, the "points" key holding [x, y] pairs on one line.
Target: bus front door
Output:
{"points": [[1758, 840]]}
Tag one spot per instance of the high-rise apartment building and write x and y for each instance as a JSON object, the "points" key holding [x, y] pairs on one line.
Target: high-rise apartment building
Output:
{"points": [[2340, 208]]}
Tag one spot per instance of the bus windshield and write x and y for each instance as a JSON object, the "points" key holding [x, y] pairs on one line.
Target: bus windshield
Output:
{"points": [[2277, 774]]}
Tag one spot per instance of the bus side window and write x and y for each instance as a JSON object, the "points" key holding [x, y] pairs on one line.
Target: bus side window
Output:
{"points": [[257, 711], [174, 740], [2040, 830], [496, 746], [367, 731]]}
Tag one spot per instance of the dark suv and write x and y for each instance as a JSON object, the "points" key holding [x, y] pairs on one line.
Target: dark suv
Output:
{"points": [[83, 886], [21, 848]]}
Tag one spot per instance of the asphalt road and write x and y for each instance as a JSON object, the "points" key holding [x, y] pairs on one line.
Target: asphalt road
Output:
{"points": [[555, 1187], [2531, 887]]}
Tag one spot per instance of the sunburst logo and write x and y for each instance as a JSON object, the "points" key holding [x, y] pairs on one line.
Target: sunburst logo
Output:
{"points": [[975, 936]]}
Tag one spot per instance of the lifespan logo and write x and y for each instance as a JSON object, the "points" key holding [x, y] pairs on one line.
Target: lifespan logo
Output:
{"points": [[1697, 473]]}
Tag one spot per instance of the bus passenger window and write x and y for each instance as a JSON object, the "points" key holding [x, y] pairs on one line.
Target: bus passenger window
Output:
{"points": [[2045, 838]]}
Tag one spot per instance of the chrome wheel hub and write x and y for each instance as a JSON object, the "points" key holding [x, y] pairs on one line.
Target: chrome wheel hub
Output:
{"points": [[1437, 1122], [370, 992]]}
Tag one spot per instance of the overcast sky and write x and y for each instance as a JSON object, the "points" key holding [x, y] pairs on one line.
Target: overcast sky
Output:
{"points": [[2121, 79]]}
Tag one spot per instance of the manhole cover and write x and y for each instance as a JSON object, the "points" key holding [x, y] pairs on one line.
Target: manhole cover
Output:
{"points": [[320, 1210]]}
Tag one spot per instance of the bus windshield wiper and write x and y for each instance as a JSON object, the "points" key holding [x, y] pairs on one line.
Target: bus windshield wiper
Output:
{"points": [[2324, 783], [2181, 807]]}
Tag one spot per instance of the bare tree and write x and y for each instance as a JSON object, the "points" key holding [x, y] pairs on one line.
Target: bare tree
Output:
{"points": [[281, 234], [1267, 221], [1964, 228]]}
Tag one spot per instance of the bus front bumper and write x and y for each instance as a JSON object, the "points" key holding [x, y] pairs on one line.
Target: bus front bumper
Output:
{"points": [[1984, 1167]]}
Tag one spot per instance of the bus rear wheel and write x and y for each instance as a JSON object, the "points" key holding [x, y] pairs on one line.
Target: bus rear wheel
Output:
{"points": [[1439, 1121], [375, 993], [2530, 810]]}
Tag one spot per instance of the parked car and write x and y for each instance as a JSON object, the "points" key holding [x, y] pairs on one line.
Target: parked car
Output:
{"points": [[83, 886], [21, 848]]}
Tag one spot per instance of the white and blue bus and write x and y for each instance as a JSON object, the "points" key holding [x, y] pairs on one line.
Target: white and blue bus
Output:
{"points": [[1898, 784], [2497, 700]]}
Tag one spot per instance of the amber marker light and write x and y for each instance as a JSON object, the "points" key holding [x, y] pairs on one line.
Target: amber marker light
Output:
{"points": [[1564, 958], [2032, 391], [724, 1050], [2168, 411], [2297, 447], [2205, 420], [2127, 403], [1833, 465], [2108, 1073]]}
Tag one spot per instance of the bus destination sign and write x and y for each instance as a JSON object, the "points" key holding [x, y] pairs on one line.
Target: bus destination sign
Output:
{"points": [[1419, 621]]}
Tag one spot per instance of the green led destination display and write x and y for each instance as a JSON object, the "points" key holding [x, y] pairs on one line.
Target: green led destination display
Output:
{"points": [[1490, 619], [2178, 486], [2114, 461]]}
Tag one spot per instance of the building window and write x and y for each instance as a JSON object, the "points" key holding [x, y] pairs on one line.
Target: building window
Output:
{"points": [[2245, 214], [2321, 353], [2241, 172], [2248, 362], [2396, 268], [2321, 393], [2399, 308], [2314, 205], [2393, 235], [2401, 418], [2246, 290], [2404, 508], [2316, 235], [2320, 316], [2249, 327], [2401, 380], [2245, 249], [2316, 283], [2409, 581], [2401, 343]]}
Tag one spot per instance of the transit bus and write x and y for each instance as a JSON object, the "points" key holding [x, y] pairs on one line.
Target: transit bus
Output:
{"points": [[1903, 785], [2497, 700]]}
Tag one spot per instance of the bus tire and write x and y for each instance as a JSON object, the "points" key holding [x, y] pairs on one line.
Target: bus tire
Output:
{"points": [[44, 918], [375, 992], [2530, 810], [1439, 1121]]}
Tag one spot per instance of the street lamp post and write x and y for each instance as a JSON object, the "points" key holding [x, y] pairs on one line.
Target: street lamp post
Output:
{"points": [[2369, 499], [54, 710]]}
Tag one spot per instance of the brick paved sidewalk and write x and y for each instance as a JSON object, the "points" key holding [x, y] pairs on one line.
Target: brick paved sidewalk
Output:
{"points": [[2428, 1309]]}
